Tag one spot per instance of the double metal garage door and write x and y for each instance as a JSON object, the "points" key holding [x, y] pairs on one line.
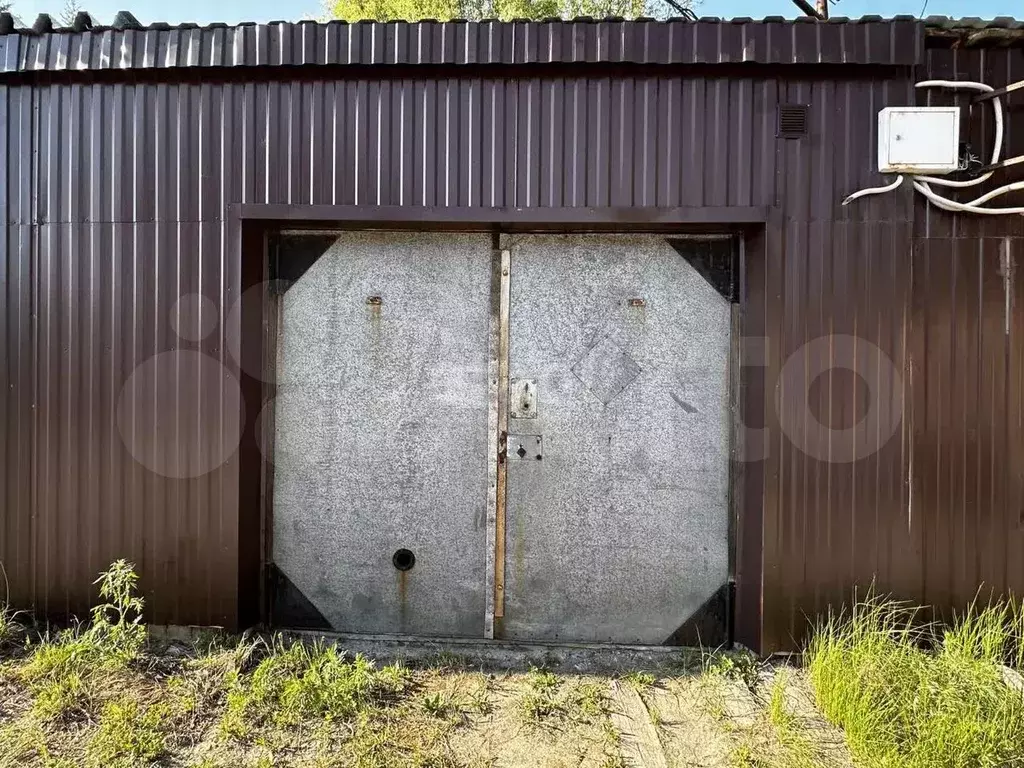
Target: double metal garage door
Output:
{"points": [[528, 441]]}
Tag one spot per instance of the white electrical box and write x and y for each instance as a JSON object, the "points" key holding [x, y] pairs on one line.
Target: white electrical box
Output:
{"points": [[919, 139]]}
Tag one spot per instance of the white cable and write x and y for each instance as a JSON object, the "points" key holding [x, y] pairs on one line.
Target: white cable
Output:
{"points": [[996, 192], [874, 190], [921, 183], [952, 205], [997, 107]]}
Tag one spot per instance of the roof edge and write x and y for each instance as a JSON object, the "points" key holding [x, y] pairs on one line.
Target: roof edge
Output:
{"points": [[645, 41]]}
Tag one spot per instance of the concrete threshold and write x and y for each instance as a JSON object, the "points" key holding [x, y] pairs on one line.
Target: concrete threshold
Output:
{"points": [[582, 658]]}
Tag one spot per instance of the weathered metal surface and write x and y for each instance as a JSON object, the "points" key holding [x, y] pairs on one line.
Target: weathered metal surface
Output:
{"points": [[380, 434], [501, 493], [525, 447], [618, 504], [523, 399]]}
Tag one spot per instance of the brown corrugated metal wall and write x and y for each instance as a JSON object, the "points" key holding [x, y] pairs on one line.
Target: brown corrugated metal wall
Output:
{"points": [[116, 203], [933, 515]]}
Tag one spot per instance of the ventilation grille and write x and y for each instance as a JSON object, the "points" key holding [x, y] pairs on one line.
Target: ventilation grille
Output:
{"points": [[792, 121]]}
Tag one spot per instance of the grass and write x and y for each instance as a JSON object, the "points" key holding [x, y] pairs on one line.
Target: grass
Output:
{"points": [[640, 680], [67, 673], [548, 697], [129, 734], [916, 695], [904, 693], [797, 750], [540, 700], [10, 629], [298, 682]]}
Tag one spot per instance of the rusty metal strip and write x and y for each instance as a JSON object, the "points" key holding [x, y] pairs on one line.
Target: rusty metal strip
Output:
{"points": [[492, 437], [502, 467]]}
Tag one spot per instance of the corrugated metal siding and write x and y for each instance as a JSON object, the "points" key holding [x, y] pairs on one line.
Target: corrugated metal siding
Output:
{"points": [[936, 513], [710, 41], [183, 152], [143, 173], [87, 304], [115, 205], [167, 153]]}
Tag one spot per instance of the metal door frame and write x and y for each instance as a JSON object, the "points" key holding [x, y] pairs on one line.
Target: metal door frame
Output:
{"points": [[249, 227]]}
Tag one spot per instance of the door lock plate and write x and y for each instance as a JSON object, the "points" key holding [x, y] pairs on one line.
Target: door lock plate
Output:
{"points": [[525, 447], [523, 398]]}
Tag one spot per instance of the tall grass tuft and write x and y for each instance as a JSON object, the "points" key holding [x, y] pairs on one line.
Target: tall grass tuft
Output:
{"points": [[912, 694], [299, 681]]}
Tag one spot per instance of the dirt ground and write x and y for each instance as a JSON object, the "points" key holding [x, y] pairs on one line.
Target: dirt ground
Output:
{"points": [[730, 712], [709, 720]]}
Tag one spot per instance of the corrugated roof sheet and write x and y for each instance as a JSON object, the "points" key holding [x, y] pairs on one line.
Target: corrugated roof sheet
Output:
{"points": [[773, 40]]}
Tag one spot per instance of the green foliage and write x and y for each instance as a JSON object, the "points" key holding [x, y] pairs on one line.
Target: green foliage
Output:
{"points": [[60, 672], [448, 661], [641, 681], [117, 626], [917, 696], [585, 702], [438, 704], [543, 681], [735, 665], [546, 697], [443, 10], [10, 629], [445, 705], [391, 10], [129, 735], [299, 682], [778, 715], [796, 750]]}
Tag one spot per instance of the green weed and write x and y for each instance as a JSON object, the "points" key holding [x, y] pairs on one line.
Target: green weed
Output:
{"points": [[612, 745], [535, 707], [441, 705], [10, 628], [585, 701], [298, 682], [66, 674], [539, 701], [733, 665], [117, 629], [383, 742], [919, 695], [547, 697], [543, 681], [641, 681], [743, 755], [796, 750], [448, 661], [129, 735]]}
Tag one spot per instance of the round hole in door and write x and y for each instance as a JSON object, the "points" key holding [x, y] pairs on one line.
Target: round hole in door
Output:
{"points": [[403, 559]]}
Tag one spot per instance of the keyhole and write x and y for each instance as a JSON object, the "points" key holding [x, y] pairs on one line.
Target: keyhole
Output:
{"points": [[521, 452]]}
